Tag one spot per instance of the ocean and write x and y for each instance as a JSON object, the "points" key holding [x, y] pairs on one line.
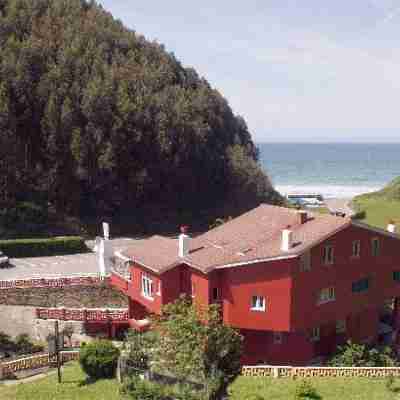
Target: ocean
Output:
{"points": [[333, 170]]}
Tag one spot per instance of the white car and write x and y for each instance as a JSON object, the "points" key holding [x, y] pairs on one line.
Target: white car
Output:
{"points": [[4, 262]]}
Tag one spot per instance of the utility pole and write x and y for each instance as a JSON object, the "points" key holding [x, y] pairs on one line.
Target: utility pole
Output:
{"points": [[57, 349]]}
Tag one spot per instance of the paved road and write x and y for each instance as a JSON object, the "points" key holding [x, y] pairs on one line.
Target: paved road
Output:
{"points": [[58, 266], [339, 205]]}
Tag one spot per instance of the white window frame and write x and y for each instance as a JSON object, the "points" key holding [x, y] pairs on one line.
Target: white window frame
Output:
{"points": [[326, 259], [378, 247], [326, 295], [159, 288], [193, 290], [258, 303], [277, 337], [305, 262], [147, 287], [341, 326], [315, 334], [356, 249]]}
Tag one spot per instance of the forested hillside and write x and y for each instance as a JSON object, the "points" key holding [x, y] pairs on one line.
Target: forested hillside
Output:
{"points": [[96, 120]]}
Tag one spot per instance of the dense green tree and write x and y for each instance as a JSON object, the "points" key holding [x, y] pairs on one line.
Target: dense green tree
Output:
{"points": [[94, 119], [193, 343]]}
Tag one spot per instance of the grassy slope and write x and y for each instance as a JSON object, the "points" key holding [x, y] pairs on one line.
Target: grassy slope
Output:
{"points": [[381, 206], [74, 387], [328, 389]]}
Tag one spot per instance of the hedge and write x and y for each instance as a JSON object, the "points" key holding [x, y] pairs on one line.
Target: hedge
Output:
{"points": [[43, 247]]}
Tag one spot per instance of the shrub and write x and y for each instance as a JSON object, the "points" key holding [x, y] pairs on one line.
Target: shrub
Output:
{"points": [[359, 215], [6, 343], [305, 391], [99, 359], [43, 247], [359, 355], [23, 344], [139, 389]]}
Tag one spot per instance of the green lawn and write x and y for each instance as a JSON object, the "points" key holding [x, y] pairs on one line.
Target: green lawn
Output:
{"points": [[378, 210], [327, 388], [74, 387]]}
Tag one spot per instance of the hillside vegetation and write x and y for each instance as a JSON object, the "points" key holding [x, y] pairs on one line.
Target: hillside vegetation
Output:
{"points": [[95, 120], [380, 207]]}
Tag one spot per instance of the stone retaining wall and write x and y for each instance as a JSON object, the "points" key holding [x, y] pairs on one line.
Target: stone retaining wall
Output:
{"points": [[321, 372], [8, 369], [100, 295]]}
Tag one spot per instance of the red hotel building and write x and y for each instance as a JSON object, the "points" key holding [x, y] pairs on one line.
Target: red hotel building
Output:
{"points": [[295, 284]]}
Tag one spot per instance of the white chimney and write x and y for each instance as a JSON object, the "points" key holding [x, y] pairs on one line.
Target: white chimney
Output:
{"points": [[391, 227], [287, 237], [106, 230], [104, 256], [184, 241]]}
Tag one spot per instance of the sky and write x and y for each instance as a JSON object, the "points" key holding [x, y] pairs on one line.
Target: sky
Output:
{"points": [[309, 70]]}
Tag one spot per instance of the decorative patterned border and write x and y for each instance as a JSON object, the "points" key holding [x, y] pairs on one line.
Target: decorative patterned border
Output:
{"points": [[83, 314], [308, 372], [8, 369]]}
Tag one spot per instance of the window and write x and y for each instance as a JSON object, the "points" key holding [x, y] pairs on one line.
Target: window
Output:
{"points": [[258, 303], [328, 255], [356, 248], [341, 326], [278, 338], [326, 295], [314, 336], [375, 247], [193, 289], [147, 286], [305, 262], [360, 286], [216, 294], [396, 276]]}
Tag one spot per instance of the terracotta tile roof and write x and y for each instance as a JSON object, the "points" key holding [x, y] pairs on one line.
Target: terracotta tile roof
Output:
{"points": [[156, 253], [253, 236]]}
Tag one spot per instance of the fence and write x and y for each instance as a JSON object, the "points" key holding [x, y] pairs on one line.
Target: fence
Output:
{"points": [[8, 369], [58, 282], [308, 372], [83, 314]]}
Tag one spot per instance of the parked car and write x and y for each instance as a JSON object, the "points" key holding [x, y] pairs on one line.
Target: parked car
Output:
{"points": [[4, 261]]}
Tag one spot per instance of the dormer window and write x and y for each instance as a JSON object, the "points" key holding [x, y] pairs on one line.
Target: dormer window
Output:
{"points": [[327, 256]]}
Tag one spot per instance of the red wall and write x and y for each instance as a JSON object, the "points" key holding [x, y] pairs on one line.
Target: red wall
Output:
{"points": [[135, 288], [271, 280], [259, 348], [341, 275]]}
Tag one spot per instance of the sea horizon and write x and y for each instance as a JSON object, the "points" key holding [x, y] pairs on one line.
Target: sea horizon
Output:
{"points": [[337, 169]]}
